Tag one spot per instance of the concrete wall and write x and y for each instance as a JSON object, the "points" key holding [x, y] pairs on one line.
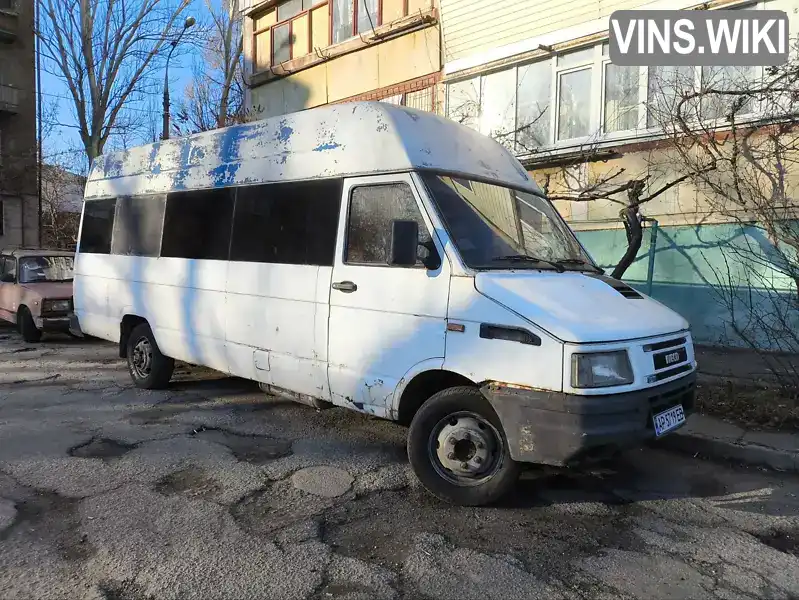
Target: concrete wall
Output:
{"points": [[18, 178]]}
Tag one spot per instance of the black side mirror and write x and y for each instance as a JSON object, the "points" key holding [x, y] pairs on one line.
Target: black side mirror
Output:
{"points": [[7, 278], [404, 243]]}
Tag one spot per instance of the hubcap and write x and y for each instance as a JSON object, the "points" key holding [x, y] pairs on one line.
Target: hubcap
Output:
{"points": [[142, 359], [465, 448]]}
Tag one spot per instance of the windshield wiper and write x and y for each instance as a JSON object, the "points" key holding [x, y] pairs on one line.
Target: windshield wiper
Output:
{"points": [[532, 259], [578, 261]]}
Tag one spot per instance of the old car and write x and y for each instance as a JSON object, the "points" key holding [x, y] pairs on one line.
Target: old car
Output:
{"points": [[36, 290]]}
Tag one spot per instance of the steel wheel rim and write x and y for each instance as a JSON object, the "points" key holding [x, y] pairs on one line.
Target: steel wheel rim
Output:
{"points": [[142, 359], [465, 449]]}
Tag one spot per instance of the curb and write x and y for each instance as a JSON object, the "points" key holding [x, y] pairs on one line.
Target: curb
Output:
{"points": [[750, 454]]}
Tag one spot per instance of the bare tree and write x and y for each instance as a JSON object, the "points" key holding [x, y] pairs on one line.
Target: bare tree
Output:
{"points": [[215, 97], [105, 51]]}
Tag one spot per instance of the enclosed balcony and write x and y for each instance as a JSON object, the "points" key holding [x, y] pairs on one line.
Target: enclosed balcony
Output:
{"points": [[9, 20], [10, 98]]}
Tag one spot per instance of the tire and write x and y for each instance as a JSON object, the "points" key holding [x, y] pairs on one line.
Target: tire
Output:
{"points": [[30, 333], [463, 420], [149, 369]]}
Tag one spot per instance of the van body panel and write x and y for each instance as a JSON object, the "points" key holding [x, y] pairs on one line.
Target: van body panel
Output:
{"points": [[481, 359], [275, 309], [394, 320], [578, 308]]}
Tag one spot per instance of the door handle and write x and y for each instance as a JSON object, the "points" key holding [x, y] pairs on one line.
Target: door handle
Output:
{"points": [[345, 286]]}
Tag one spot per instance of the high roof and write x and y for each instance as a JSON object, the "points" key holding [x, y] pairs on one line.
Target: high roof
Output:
{"points": [[359, 138]]}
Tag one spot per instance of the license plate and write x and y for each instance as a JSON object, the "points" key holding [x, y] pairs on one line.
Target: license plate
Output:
{"points": [[668, 420]]}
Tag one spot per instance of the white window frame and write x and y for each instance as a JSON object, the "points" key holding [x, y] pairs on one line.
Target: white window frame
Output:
{"points": [[597, 63]]}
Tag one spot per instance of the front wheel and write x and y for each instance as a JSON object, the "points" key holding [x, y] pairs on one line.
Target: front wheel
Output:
{"points": [[149, 369], [27, 327], [458, 450]]}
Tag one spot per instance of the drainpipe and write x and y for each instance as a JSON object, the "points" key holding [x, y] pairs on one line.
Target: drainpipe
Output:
{"points": [[653, 241]]}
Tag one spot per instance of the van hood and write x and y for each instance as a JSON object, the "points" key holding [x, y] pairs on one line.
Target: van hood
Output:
{"points": [[50, 290], [580, 307]]}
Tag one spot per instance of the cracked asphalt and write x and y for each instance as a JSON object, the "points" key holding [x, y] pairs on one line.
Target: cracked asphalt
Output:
{"points": [[214, 490]]}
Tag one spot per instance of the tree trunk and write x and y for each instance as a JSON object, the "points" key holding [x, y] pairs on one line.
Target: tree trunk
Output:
{"points": [[635, 234]]}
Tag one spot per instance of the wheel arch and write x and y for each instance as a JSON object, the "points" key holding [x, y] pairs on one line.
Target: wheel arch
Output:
{"points": [[126, 325], [422, 382]]}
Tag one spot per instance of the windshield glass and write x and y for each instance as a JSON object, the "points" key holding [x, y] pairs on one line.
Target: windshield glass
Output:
{"points": [[495, 227], [33, 269]]}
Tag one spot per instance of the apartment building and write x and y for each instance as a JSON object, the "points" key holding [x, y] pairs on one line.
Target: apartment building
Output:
{"points": [[305, 53], [19, 212], [537, 76]]}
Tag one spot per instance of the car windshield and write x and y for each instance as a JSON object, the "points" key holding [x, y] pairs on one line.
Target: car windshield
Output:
{"points": [[33, 269], [496, 227]]}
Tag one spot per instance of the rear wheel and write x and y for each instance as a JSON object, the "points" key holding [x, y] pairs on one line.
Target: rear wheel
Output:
{"points": [[30, 333], [458, 450], [149, 369]]}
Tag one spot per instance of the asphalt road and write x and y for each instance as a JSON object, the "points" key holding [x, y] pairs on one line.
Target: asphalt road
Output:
{"points": [[214, 490]]}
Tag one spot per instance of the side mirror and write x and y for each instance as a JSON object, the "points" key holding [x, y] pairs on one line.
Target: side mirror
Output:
{"points": [[7, 278], [404, 243]]}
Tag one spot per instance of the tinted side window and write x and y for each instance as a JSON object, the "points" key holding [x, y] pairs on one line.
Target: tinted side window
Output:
{"points": [[372, 208], [138, 225], [197, 224], [289, 223], [98, 225]]}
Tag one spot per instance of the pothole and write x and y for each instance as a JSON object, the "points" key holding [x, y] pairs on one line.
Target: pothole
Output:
{"points": [[784, 541], [53, 520], [257, 450], [282, 506], [103, 448], [192, 481]]}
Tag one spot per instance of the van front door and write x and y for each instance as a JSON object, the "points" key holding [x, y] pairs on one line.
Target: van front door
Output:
{"points": [[384, 320]]}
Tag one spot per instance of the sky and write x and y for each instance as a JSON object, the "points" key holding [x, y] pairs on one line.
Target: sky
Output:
{"points": [[62, 143]]}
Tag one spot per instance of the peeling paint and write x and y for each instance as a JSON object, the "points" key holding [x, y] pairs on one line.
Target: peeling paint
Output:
{"points": [[327, 146], [284, 134]]}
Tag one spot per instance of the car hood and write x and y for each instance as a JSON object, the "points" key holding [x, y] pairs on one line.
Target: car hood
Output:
{"points": [[55, 290], [580, 307]]}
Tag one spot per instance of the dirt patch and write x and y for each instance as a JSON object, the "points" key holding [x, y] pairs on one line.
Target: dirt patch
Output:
{"points": [[53, 519], [122, 590], [257, 450], [749, 405], [192, 481], [101, 448], [784, 541]]}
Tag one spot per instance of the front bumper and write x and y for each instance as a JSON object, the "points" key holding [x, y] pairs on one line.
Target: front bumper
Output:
{"points": [[563, 429], [52, 323]]}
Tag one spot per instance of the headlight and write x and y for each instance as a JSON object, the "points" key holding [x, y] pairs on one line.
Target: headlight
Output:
{"points": [[56, 306], [601, 369]]}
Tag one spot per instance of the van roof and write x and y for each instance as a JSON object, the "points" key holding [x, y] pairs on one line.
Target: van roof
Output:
{"points": [[358, 138]]}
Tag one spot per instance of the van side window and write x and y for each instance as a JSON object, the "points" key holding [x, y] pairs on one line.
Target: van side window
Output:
{"points": [[372, 208], [138, 225], [197, 224], [288, 223], [98, 225]]}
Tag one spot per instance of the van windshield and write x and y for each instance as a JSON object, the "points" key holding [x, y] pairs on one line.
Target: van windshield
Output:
{"points": [[496, 227]]}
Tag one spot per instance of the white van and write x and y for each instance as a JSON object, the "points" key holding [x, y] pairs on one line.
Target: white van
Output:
{"points": [[391, 262]]}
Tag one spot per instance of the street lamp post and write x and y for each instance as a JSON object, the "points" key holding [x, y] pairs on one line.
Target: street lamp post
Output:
{"points": [[165, 134]]}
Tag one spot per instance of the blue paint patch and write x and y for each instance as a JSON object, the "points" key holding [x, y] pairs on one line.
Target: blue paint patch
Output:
{"points": [[112, 165], [155, 168], [327, 146], [225, 174], [284, 133]]}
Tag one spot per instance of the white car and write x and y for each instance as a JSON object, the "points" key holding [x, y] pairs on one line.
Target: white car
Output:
{"points": [[388, 261]]}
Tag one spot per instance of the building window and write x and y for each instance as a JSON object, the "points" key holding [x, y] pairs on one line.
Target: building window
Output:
{"points": [[561, 102], [281, 43], [533, 106], [354, 17]]}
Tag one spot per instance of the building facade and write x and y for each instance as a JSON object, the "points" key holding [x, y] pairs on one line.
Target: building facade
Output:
{"points": [[305, 53], [537, 76], [19, 207]]}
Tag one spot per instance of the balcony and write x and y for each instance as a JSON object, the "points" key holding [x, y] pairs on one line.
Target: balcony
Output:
{"points": [[9, 17], [10, 99]]}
